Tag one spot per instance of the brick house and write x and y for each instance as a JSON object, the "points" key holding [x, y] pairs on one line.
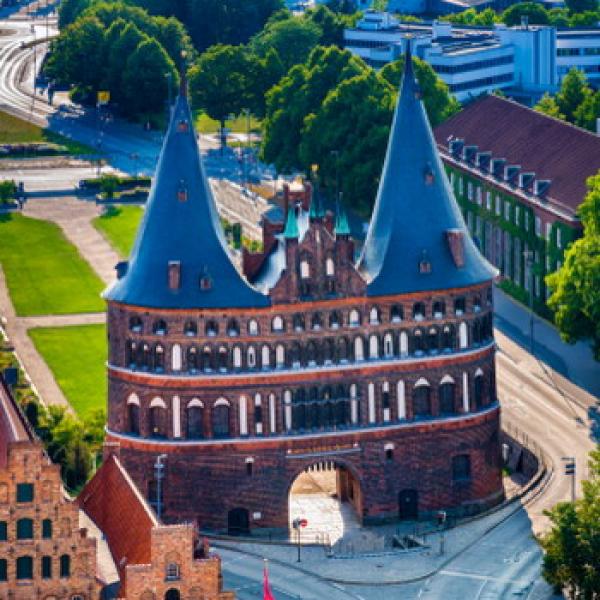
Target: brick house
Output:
{"points": [[382, 368], [519, 177], [44, 554]]}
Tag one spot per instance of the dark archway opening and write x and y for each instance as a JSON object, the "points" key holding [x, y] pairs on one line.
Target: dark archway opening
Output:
{"points": [[408, 505], [238, 521], [172, 594]]}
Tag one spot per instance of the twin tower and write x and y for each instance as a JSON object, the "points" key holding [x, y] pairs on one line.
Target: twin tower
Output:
{"points": [[382, 368]]}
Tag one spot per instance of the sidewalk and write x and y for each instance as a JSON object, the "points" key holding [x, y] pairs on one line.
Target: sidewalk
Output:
{"points": [[574, 362]]}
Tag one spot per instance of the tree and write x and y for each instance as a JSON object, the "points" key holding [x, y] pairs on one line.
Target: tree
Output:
{"points": [[145, 78], [579, 6], [535, 13], [331, 25], [70, 10], [292, 39], [572, 93], [222, 81], [588, 112], [572, 547], [575, 287], [345, 7], [8, 189], [548, 106]]}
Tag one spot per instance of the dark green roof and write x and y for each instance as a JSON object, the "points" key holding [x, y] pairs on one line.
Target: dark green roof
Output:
{"points": [[181, 225], [416, 219], [291, 225]]}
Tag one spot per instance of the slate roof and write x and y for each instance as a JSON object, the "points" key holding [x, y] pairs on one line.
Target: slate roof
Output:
{"points": [[181, 223], [552, 149], [415, 212]]}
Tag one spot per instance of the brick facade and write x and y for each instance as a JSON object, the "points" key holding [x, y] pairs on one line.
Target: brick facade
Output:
{"points": [[48, 557]]}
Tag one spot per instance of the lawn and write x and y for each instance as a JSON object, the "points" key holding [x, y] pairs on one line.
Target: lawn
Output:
{"points": [[76, 356], [204, 124], [45, 273], [119, 226], [16, 131]]}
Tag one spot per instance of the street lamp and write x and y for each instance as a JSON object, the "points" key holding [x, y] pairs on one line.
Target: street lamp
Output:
{"points": [[159, 473], [528, 254]]}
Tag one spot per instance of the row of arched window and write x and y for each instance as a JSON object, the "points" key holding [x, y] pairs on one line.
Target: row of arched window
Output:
{"points": [[313, 408], [335, 319], [421, 341], [25, 569]]}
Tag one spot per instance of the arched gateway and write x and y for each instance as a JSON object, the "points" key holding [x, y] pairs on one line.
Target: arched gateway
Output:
{"points": [[381, 366]]}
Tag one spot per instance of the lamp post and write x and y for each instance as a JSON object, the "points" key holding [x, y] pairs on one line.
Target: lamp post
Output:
{"points": [[159, 473], [528, 254]]}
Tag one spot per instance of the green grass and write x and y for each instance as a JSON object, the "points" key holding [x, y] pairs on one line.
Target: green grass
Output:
{"points": [[119, 226], [16, 131], [204, 124], [45, 273], [76, 356]]}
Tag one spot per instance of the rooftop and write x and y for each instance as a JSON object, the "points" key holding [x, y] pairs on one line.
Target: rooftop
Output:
{"points": [[13, 427], [552, 149]]}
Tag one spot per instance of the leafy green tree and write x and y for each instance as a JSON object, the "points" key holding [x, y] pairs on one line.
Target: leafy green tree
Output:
{"points": [[548, 106], [331, 25], [572, 93], [575, 287], [572, 547], [145, 78], [292, 39], [8, 189], [222, 81], [345, 7], [579, 6], [559, 17], [437, 99], [485, 18], [109, 184], [589, 18], [535, 13], [69, 11], [588, 112]]}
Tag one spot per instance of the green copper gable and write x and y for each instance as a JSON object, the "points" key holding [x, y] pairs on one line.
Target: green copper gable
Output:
{"points": [[291, 226]]}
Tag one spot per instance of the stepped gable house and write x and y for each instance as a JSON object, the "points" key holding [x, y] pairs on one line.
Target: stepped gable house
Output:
{"points": [[383, 367]]}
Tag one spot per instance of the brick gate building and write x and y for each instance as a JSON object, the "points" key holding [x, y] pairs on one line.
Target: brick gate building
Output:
{"points": [[383, 367]]}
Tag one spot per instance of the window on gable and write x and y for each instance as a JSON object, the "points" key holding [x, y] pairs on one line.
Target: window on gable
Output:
{"points": [[24, 492], [47, 529], [3, 531]]}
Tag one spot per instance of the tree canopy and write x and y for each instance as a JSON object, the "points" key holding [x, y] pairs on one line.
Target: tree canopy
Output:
{"points": [[575, 287]]}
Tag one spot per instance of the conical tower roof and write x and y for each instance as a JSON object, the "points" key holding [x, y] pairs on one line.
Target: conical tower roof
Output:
{"points": [[417, 239], [181, 231]]}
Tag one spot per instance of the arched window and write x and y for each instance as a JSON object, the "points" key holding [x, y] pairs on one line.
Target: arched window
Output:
{"points": [[223, 359], [419, 311], [403, 344], [176, 357], [354, 404], [172, 572], [439, 309], [158, 358], [312, 354], [316, 321], [448, 337], [459, 305], [65, 565], [190, 329], [159, 327], [192, 359], [46, 567], [287, 409], [211, 328], [233, 328], [25, 567], [478, 390], [258, 414], [47, 529], [220, 419], [253, 327], [446, 396], [328, 351], [401, 400], [195, 420], [135, 325], [237, 357], [359, 351], [207, 359], [421, 399], [298, 322], [133, 411], [131, 354], [476, 303], [385, 400], [304, 269], [296, 354], [145, 357], [463, 336], [277, 323], [418, 340], [476, 332], [373, 347], [433, 339], [280, 356], [388, 345], [299, 409], [335, 320], [461, 467], [25, 529], [374, 316], [251, 357], [158, 418], [354, 318], [329, 267], [265, 357], [396, 313]]}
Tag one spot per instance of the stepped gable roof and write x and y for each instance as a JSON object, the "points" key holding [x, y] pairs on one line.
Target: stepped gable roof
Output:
{"points": [[181, 228], [552, 149], [417, 239]]}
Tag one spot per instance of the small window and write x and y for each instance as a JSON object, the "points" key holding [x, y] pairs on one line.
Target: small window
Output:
{"points": [[24, 492], [419, 311], [46, 567], [389, 454], [24, 567], [249, 468], [459, 306], [3, 570], [25, 529], [212, 328], [174, 274], [65, 565], [190, 329], [329, 267], [172, 572], [253, 327], [304, 269], [47, 529], [160, 327], [354, 318], [277, 324], [3, 531], [507, 210], [461, 467], [498, 206], [135, 325]]}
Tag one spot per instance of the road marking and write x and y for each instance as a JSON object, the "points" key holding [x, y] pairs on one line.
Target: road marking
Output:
{"points": [[484, 578]]}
